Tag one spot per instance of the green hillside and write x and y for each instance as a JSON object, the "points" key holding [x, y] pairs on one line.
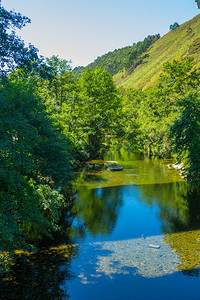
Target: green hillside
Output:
{"points": [[177, 44], [127, 58]]}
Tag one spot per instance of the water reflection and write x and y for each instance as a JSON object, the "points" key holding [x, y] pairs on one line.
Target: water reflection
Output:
{"points": [[122, 213], [171, 200], [98, 209], [177, 206], [97, 204], [39, 276], [178, 203]]}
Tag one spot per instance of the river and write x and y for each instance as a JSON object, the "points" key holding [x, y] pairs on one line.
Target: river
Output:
{"points": [[135, 235]]}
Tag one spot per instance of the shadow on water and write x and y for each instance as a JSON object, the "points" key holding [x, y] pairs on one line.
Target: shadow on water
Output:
{"points": [[94, 176], [39, 276]]}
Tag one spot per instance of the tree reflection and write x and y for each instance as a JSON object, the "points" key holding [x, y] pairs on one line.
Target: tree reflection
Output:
{"points": [[39, 276], [178, 203], [191, 273], [98, 209], [172, 203]]}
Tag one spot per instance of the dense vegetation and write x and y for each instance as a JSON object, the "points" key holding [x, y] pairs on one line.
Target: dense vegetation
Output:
{"points": [[127, 58], [51, 122], [33, 154], [158, 118]]}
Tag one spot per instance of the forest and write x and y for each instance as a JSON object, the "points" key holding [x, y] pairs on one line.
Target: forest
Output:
{"points": [[53, 121]]}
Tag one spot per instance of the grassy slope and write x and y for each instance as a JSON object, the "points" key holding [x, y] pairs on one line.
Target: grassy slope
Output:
{"points": [[176, 44]]}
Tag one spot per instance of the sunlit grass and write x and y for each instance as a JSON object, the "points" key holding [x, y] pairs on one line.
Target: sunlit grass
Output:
{"points": [[176, 44]]}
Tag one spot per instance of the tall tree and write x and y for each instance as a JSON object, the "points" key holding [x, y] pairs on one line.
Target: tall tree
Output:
{"points": [[101, 105], [13, 52], [32, 157]]}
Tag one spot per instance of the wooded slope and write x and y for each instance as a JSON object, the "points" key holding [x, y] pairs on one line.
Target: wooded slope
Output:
{"points": [[177, 44]]}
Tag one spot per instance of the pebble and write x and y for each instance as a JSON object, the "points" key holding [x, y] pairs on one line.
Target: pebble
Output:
{"points": [[154, 246]]}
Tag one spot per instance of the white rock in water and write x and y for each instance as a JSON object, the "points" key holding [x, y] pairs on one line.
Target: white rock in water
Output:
{"points": [[154, 246], [177, 166]]}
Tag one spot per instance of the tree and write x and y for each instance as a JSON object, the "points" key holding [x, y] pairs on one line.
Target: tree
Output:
{"points": [[61, 80], [156, 109], [131, 116], [173, 26], [101, 105], [32, 157], [13, 52], [186, 137], [60, 92]]}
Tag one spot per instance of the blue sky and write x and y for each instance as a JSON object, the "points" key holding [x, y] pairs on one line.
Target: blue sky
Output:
{"points": [[80, 30]]}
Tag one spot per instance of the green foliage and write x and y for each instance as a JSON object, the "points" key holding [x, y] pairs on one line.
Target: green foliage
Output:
{"points": [[30, 149], [84, 110], [45, 115], [13, 52], [178, 77], [186, 137], [132, 99], [61, 94], [101, 105], [30, 142], [61, 81], [166, 117], [151, 113], [173, 26], [51, 202], [49, 120]]}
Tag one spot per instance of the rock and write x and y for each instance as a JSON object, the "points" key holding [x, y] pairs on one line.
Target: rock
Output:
{"points": [[154, 246], [113, 166], [178, 166]]}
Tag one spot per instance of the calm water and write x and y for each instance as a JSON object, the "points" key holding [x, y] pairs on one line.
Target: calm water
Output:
{"points": [[136, 235]]}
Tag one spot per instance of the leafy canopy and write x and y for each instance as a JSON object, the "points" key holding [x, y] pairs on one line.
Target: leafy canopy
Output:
{"points": [[13, 53]]}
